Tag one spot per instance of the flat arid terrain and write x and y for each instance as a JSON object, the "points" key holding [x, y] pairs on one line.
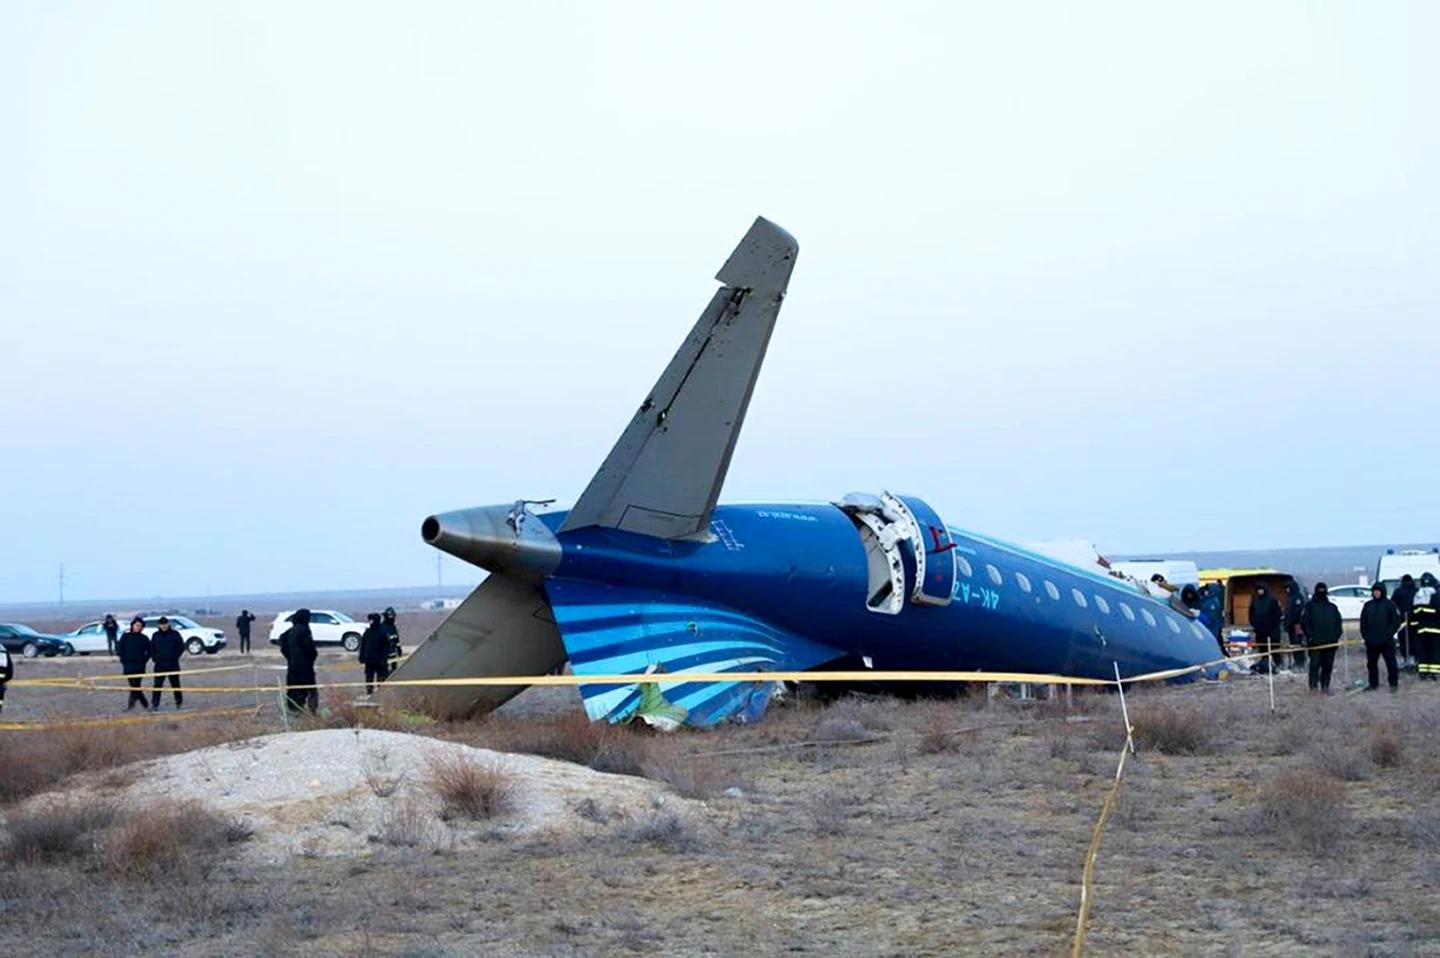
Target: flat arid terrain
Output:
{"points": [[861, 826]]}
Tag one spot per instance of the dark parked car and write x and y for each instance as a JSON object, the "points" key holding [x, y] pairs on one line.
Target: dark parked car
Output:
{"points": [[23, 640]]}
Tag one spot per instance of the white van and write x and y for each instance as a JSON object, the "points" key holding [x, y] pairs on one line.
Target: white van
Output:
{"points": [[1412, 562]]}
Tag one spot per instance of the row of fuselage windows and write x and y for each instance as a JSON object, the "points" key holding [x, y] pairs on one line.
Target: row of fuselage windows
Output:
{"points": [[962, 565]]}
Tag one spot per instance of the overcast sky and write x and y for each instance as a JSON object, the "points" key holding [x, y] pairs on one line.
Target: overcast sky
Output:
{"points": [[278, 280]]}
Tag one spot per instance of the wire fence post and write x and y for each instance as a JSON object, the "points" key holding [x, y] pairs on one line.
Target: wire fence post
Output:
{"points": [[284, 706], [1124, 710], [1270, 674], [255, 684], [1345, 659]]}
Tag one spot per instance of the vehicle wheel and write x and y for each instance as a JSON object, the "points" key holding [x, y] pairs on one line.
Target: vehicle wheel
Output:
{"points": [[30, 650], [67, 650], [351, 642], [194, 646]]}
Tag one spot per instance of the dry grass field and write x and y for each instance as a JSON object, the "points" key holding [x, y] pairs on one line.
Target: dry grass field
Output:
{"points": [[867, 826]]}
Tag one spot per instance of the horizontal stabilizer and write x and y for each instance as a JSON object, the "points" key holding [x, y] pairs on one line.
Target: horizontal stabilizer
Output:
{"points": [[664, 474], [503, 628], [610, 630]]}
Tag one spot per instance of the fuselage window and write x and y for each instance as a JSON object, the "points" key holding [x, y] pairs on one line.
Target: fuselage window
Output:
{"points": [[1199, 630], [1051, 591], [1174, 626], [1022, 582], [1102, 605], [1078, 596], [994, 575], [964, 565], [1127, 612], [1149, 619]]}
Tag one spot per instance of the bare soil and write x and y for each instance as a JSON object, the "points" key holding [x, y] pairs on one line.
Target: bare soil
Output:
{"points": [[915, 828]]}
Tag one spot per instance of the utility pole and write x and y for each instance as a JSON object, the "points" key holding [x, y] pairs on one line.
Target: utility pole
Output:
{"points": [[439, 582], [62, 587]]}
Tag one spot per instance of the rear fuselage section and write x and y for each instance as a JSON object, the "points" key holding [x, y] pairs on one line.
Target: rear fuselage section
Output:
{"points": [[802, 568]]}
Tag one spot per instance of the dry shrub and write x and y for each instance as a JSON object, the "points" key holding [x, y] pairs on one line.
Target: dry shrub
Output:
{"points": [[1387, 747], [569, 738], [690, 775], [404, 825], [1343, 759], [160, 837], [1061, 740], [348, 714], [1302, 805], [664, 830], [36, 762], [467, 787], [841, 729], [1174, 730], [873, 714], [56, 832], [381, 779], [831, 811]]}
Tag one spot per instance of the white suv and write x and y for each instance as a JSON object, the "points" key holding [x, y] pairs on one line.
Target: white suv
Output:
{"points": [[327, 626], [197, 638]]}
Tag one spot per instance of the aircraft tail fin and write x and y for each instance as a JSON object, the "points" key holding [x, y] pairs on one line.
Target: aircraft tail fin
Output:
{"points": [[664, 474]]}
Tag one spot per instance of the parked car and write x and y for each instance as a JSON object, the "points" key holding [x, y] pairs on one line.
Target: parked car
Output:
{"points": [[1350, 599], [326, 625], [23, 640], [89, 639], [197, 637]]}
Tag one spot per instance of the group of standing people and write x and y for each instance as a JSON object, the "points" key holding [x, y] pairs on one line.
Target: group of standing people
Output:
{"points": [[137, 650], [1419, 636], [379, 646]]}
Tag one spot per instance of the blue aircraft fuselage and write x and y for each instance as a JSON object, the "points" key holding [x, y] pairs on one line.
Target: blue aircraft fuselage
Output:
{"points": [[798, 574]]}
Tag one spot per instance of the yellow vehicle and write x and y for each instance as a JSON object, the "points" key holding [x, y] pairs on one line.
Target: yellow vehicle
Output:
{"points": [[1240, 585]]}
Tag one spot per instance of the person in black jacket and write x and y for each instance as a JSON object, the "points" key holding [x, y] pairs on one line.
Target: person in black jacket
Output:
{"points": [[1323, 628], [134, 650], [166, 647], [112, 632], [375, 653], [242, 627], [298, 647], [392, 630], [7, 672], [1294, 606], [1265, 615], [1404, 599], [1379, 620]]}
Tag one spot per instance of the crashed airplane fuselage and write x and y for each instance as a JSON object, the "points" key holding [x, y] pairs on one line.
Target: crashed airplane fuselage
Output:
{"points": [[646, 573]]}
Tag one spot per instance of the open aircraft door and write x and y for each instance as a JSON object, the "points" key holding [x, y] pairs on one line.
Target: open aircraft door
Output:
{"points": [[908, 551]]}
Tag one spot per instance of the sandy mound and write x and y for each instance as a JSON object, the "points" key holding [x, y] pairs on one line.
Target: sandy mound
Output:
{"points": [[344, 791]]}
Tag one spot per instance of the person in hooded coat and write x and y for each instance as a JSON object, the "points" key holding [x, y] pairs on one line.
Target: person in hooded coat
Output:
{"points": [[166, 647], [1404, 599], [1323, 627], [297, 645], [134, 650], [1379, 620], [1212, 612], [393, 632], [1294, 607], [112, 632], [1426, 619], [375, 653], [1265, 616]]}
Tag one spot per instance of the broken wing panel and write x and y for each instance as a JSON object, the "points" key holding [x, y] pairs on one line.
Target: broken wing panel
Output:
{"points": [[664, 474], [610, 630], [503, 628]]}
